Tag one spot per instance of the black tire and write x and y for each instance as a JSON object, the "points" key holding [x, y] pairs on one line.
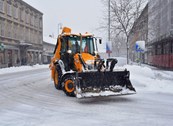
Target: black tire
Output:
{"points": [[69, 85], [57, 79]]}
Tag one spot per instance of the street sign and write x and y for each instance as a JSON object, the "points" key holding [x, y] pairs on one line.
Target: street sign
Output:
{"points": [[140, 46], [109, 47]]}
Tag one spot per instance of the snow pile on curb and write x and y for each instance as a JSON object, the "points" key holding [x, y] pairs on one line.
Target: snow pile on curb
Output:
{"points": [[141, 71], [153, 80], [21, 68]]}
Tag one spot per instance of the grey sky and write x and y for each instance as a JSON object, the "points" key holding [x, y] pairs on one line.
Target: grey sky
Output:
{"points": [[80, 15]]}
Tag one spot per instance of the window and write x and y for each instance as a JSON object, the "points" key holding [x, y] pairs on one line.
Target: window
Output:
{"points": [[15, 31], [1, 5], [40, 38], [27, 34], [9, 9], [16, 59], [2, 60], [159, 49], [21, 33], [22, 14], [15, 12], [9, 28], [2, 27], [172, 47], [27, 16], [36, 21], [73, 43], [40, 23], [35, 36], [88, 45], [172, 18], [172, 13], [32, 20], [166, 48], [31, 35]]}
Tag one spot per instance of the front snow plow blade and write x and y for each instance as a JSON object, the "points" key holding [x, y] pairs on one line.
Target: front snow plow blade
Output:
{"points": [[95, 84]]}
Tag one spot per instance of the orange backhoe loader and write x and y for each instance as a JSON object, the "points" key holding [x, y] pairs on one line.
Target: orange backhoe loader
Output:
{"points": [[78, 70]]}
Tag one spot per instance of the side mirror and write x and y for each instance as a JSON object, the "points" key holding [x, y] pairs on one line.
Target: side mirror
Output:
{"points": [[100, 41]]}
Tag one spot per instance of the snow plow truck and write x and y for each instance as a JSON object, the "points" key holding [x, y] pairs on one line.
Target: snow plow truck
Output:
{"points": [[77, 69]]}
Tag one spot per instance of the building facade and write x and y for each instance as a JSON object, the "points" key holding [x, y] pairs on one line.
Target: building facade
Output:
{"points": [[139, 32], [21, 34], [160, 14], [160, 33]]}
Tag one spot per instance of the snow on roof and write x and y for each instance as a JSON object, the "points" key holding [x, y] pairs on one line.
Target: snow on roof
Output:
{"points": [[49, 40]]}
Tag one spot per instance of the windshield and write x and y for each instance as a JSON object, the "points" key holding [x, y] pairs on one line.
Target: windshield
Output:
{"points": [[87, 45], [74, 44]]}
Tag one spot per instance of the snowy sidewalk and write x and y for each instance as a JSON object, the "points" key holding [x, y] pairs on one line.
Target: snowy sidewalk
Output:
{"points": [[22, 68]]}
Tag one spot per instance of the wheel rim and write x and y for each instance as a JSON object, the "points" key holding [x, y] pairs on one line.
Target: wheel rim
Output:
{"points": [[69, 86]]}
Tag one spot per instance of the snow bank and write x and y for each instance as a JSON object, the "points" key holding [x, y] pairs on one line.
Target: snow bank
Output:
{"points": [[152, 79], [21, 68], [141, 71]]}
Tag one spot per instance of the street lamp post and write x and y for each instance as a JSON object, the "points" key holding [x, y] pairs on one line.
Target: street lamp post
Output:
{"points": [[109, 21], [59, 27], [109, 24]]}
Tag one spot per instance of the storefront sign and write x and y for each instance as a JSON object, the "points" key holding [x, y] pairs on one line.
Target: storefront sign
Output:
{"points": [[140, 46]]}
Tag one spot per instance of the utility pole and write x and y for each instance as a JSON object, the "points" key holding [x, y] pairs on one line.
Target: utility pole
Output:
{"points": [[59, 27], [109, 23], [127, 44]]}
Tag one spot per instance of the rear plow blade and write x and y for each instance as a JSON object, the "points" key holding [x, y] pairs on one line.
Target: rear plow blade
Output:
{"points": [[96, 84]]}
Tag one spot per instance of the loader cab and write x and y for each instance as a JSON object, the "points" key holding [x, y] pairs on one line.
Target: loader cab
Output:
{"points": [[73, 44], [70, 45]]}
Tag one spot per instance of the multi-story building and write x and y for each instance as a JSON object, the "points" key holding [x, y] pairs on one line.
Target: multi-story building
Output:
{"points": [[21, 33], [48, 48], [139, 32], [160, 18], [160, 33]]}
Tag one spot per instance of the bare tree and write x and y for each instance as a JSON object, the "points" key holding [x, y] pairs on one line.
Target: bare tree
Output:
{"points": [[123, 15], [117, 44]]}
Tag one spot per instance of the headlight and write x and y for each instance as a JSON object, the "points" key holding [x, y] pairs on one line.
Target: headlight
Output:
{"points": [[96, 52], [69, 51], [90, 62]]}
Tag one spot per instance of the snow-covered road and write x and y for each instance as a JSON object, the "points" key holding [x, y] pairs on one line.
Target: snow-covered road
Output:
{"points": [[30, 99]]}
